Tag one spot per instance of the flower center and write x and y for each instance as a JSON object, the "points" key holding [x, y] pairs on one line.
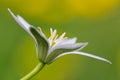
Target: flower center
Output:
{"points": [[54, 39]]}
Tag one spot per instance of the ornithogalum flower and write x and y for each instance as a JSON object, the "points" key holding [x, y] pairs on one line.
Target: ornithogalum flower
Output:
{"points": [[54, 47]]}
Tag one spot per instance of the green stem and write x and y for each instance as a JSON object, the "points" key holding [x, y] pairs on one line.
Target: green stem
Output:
{"points": [[34, 71]]}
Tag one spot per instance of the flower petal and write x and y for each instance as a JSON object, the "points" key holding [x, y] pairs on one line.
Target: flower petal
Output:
{"points": [[40, 39], [67, 41], [84, 54], [42, 44], [55, 51], [20, 21], [76, 46]]}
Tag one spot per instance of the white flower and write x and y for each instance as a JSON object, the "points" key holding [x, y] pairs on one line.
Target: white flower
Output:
{"points": [[54, 47]]}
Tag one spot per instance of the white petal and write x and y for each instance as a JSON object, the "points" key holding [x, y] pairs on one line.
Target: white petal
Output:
{"points": [[84, 54], [67, 41], [20, 21], [56, 51], [84, 45], [40, 39], [25, 23], [76, 46]]}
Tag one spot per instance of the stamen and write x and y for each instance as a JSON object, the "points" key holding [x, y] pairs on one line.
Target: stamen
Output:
{"points": [[55, 37], [55, 31], [61, 37], [53, 34], [39, 29], [51, 31]]}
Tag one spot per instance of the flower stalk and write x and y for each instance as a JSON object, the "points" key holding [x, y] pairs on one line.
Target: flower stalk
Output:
{"points": [[36, 70]]}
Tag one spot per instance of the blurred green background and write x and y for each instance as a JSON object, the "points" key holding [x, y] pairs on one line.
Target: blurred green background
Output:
{"points": [[93, 21]]}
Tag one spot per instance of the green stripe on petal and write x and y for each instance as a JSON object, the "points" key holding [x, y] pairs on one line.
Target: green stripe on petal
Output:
{"points": [[41, 43]]}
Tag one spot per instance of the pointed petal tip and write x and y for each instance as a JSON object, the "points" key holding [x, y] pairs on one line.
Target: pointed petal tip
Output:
{"points": [[8, 9], [12, 14], [82, 45], [86, 43], [109, 62], [75, 38]]}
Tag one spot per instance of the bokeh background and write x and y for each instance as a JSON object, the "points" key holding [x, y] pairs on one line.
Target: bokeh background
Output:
{"points": [[93, 21]]}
